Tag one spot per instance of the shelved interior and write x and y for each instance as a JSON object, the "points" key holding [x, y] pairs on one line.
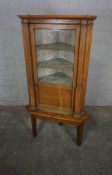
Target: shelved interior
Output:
{"points": [[57, 63], [56, 46], [56, 78], [55, 56]]}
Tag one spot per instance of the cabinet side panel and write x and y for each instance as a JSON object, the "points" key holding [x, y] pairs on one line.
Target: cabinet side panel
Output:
{"points": [[86, 62], [34, 62], [78, 94], [29, 70]]}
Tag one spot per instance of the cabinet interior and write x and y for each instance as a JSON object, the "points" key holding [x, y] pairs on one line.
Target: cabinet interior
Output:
{"points": [[55, 56]]}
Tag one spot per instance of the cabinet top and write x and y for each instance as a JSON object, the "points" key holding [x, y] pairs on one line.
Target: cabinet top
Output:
{"points": [[66, 17]]}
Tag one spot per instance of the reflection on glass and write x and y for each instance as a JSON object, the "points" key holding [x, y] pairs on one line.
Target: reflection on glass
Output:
{"points": [[55, 56]]}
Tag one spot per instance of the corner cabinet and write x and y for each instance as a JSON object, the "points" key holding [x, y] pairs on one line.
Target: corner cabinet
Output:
{"points": [[57, 50]]}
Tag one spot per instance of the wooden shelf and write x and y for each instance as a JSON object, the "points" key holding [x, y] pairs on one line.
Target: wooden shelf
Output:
{"points": [[56, 46], [58, 63], [56, 78]]}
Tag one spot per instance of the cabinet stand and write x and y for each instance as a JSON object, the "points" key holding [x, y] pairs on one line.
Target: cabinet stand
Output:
{"points": [[79, 133], [58, 118]]}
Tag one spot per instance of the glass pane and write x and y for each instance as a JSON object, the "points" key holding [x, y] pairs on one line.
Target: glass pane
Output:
{"points": [[55, 56]]}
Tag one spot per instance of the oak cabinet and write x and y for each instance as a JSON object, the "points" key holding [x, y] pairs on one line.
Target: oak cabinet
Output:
{"points": [[57, 50]]}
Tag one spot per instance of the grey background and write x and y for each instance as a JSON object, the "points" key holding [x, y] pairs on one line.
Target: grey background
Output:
{"points": [[13, 87]]}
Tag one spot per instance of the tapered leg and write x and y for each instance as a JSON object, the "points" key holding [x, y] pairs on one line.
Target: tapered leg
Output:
{"points": [[79, 134], [33, 121]]}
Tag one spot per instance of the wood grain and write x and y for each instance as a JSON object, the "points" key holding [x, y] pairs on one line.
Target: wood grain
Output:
{"points": [[86, 63], [80, 17], [29, 68], [78, 94], [55, 96], [38, 114]]}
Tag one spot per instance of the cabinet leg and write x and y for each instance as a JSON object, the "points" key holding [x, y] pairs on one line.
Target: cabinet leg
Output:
{"points": [[79, 134], [60, 123], [33, 121]]}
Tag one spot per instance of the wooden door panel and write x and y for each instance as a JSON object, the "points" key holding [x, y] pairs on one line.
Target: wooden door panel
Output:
{"points": [[57, 96]]}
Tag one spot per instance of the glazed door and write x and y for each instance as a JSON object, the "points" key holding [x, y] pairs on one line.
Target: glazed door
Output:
{"points": [[55, 57]]}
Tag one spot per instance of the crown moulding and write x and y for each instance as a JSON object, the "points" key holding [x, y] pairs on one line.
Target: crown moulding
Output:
{"points": [[73, 17]]}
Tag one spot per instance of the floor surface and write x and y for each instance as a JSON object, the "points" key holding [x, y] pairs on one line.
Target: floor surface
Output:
{"points": [[54, 150]]}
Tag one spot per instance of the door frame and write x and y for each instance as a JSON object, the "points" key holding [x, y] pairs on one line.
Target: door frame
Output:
{"points": [[68, 26]]}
